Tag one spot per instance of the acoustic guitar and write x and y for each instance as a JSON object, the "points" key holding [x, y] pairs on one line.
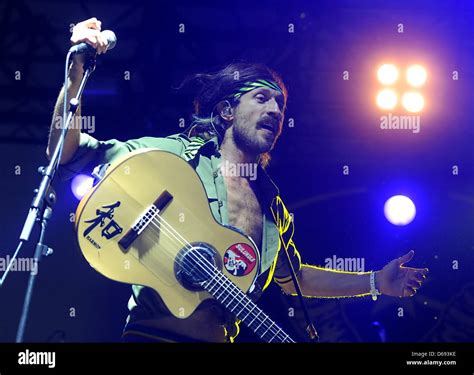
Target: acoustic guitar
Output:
{"points": [[148, 222]]}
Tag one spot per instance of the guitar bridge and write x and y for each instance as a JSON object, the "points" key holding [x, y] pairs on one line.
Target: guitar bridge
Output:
{"points": [[144, 220]]}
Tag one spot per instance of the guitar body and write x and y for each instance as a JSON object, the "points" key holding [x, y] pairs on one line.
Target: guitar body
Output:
{"points": [[149, 219]]}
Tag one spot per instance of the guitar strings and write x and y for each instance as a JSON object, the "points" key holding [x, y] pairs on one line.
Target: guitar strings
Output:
{"points": [[221, 277], [208, 267]]}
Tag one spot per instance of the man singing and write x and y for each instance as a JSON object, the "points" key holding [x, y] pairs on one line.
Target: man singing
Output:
{"points": [[238, 117]]}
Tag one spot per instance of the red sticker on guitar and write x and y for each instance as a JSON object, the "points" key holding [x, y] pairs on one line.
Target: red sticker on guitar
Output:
{"points": [[240, 259]]}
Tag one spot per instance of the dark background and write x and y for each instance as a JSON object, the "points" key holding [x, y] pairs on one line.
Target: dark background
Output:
{"points": [[336, 123]]}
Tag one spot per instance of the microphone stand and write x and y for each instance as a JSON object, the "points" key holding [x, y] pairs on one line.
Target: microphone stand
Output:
{"points": [[42, 206]]}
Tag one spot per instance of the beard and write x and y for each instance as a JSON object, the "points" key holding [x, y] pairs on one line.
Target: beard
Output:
{"points": [[251, 138]]}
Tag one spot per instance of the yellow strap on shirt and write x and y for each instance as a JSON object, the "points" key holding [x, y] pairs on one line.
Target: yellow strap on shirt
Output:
{"points": [[284, 223]]}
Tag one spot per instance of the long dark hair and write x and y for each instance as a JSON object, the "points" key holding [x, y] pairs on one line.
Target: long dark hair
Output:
{"points": [[211, 88]]}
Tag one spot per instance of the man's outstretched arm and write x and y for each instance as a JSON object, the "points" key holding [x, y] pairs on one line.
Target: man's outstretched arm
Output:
{"points": [[393, 280]]}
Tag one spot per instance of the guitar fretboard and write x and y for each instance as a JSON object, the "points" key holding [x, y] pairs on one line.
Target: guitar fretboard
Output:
{"points": [[237, 302]]}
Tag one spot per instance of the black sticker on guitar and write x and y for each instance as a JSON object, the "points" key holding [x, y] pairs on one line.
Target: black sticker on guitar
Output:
{"points": [[105, 220], [240, 259]]}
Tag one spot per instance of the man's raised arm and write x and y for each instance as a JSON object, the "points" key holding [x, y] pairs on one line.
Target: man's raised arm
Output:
{"points": [[87, 31]]}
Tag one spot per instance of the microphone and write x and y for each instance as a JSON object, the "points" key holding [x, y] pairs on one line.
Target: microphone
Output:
{"points": [[84, 47]]}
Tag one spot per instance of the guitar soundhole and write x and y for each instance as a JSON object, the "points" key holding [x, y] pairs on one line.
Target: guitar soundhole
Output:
{"points": [[194, 264]]}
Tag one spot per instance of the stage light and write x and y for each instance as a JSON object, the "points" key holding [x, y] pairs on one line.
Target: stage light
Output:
{"points": [[416, 75], [399, 210], [387, 99], [413, 101], [81, 184], [401, 92], [387, 74]]}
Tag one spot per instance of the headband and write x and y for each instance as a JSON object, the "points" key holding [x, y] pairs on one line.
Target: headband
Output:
{"points": [[252, 85]]}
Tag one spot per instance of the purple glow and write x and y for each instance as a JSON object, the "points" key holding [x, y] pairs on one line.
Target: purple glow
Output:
{"points": [[80, 185]]}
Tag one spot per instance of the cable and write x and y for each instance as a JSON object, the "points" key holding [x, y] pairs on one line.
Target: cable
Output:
{"points": [[2, 280]]}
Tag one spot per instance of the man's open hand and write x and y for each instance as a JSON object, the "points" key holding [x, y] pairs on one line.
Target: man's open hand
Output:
{"points": [[398, 281]]}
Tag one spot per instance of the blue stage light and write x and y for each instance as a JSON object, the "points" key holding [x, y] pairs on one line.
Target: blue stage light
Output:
{"points": [[81, 184], [399, 210]]}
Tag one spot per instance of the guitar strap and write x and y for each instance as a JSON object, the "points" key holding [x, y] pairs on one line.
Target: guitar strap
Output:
{"points": [[285, 225]]}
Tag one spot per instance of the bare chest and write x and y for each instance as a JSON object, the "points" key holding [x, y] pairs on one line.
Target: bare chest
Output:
{"points": [[243, 208]]}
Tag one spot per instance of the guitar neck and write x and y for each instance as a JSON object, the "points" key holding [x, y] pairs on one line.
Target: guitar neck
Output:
{"points": [[238, 303]]}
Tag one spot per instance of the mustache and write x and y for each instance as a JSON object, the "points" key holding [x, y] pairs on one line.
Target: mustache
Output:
{"points": [[270, 121], [277, 118]]}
